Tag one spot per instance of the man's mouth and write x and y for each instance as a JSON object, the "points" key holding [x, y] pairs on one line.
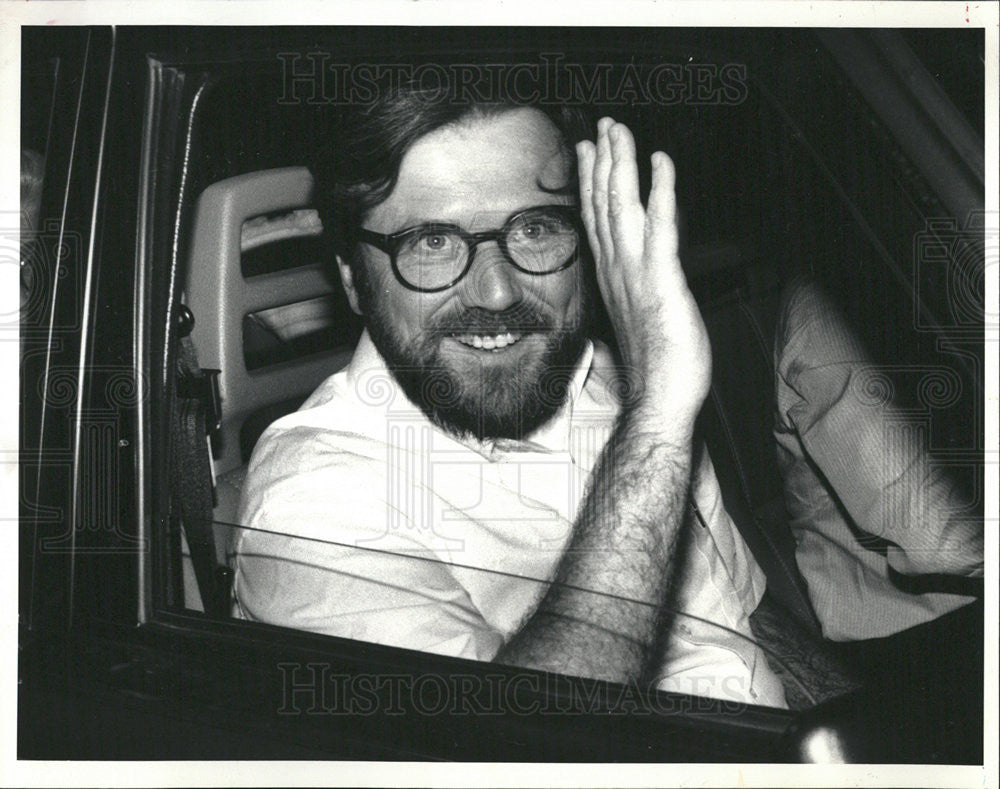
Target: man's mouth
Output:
{"points": [[488, 342]]}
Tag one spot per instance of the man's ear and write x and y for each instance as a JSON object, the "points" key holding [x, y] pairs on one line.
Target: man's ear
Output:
{"points": [[347, 280]]}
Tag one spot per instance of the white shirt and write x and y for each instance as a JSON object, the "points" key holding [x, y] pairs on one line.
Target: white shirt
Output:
{"points": [[379, 526], [861, 489]]}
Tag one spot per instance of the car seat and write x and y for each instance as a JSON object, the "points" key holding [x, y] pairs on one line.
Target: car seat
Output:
{"points": [[231, 218]]}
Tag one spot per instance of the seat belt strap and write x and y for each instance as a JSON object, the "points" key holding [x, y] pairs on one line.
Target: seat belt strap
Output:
{"points": [[195, 416]]}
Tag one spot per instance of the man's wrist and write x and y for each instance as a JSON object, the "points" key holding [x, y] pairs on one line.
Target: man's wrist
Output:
{"points": [[661, 419], [662, 399]]}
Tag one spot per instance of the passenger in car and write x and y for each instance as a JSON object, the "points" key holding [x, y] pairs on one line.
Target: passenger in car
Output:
{"points": [[481, 444], [870, 510]]}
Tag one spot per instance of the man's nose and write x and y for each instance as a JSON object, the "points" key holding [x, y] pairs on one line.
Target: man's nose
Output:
{"points": [[492, 282]]}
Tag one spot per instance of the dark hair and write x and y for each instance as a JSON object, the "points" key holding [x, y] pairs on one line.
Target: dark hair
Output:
{"points": [[360, 170]]}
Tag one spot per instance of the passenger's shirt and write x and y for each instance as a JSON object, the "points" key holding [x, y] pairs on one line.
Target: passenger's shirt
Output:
{"points": [[862, 492], [367, 521]]}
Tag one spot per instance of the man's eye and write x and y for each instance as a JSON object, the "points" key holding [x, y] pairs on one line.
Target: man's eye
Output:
{"points": [[434, 242], [541, 228]]}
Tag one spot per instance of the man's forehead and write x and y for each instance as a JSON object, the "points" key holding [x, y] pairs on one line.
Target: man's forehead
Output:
{"points": [[479, 170]]}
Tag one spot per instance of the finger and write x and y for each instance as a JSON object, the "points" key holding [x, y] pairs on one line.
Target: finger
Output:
{"points": [[585, 153], [661, 212], [625, 172], [627, 217], [602, 171]]}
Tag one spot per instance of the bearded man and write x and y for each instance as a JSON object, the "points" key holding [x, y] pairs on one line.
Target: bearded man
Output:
{"points": [[483, 480]]}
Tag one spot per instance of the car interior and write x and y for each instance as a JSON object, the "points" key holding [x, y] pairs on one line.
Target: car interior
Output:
{"points": [[744, 167], [785, 168]]}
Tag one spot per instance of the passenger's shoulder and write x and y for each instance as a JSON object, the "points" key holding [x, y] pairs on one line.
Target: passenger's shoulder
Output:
{"points": [[331, 416], [300, 445], [313, 482], [812, 332], [803, 304]]}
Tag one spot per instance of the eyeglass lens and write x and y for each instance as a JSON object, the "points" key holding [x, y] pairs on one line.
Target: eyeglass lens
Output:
{"points": [[537, 241]]}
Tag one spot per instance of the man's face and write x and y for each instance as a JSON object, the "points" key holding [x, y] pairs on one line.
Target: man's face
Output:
{"points": [[491, 356]]}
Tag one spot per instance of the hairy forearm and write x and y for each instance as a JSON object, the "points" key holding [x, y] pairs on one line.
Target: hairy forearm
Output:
{"points": [[601, 617]]}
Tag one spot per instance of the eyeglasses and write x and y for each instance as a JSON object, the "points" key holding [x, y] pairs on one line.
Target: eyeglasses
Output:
{"points": [[433, 256]]}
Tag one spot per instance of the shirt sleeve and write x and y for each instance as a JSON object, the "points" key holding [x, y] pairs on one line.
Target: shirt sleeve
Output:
{"points": [[712, 651], [744, 576], [318, 552]]}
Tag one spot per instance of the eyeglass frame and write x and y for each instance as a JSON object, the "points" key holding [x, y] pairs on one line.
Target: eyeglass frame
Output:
{"points": [[389, 243]]}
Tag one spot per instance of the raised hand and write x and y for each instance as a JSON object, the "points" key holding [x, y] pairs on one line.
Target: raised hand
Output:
{"points": [[656, 320]]}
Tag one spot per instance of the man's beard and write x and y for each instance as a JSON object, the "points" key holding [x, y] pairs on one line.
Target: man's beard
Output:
{"points": [[488, 400]]}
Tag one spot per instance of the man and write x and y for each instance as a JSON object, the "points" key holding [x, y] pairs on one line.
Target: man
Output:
{"points": [[478, 425]]}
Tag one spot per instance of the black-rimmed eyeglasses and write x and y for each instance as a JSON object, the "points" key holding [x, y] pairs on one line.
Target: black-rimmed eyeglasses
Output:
{"points": [[434, 256]]}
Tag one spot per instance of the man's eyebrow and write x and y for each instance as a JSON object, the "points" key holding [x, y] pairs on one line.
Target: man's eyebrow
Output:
{"points": [[570, 188], [410, 221], [417, 220]]}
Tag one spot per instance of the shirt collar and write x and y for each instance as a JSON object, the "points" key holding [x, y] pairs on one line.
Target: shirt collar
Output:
{"points": [[369, 375]]}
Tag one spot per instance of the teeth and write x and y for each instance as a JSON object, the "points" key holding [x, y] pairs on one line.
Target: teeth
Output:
{"points": [[488, 342]]}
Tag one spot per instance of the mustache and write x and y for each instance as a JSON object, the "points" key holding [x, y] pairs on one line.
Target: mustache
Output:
{"points": [[476, 320]]}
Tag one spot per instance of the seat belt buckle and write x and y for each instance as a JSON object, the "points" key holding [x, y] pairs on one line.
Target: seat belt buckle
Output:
{"points": [[204, 387]]}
